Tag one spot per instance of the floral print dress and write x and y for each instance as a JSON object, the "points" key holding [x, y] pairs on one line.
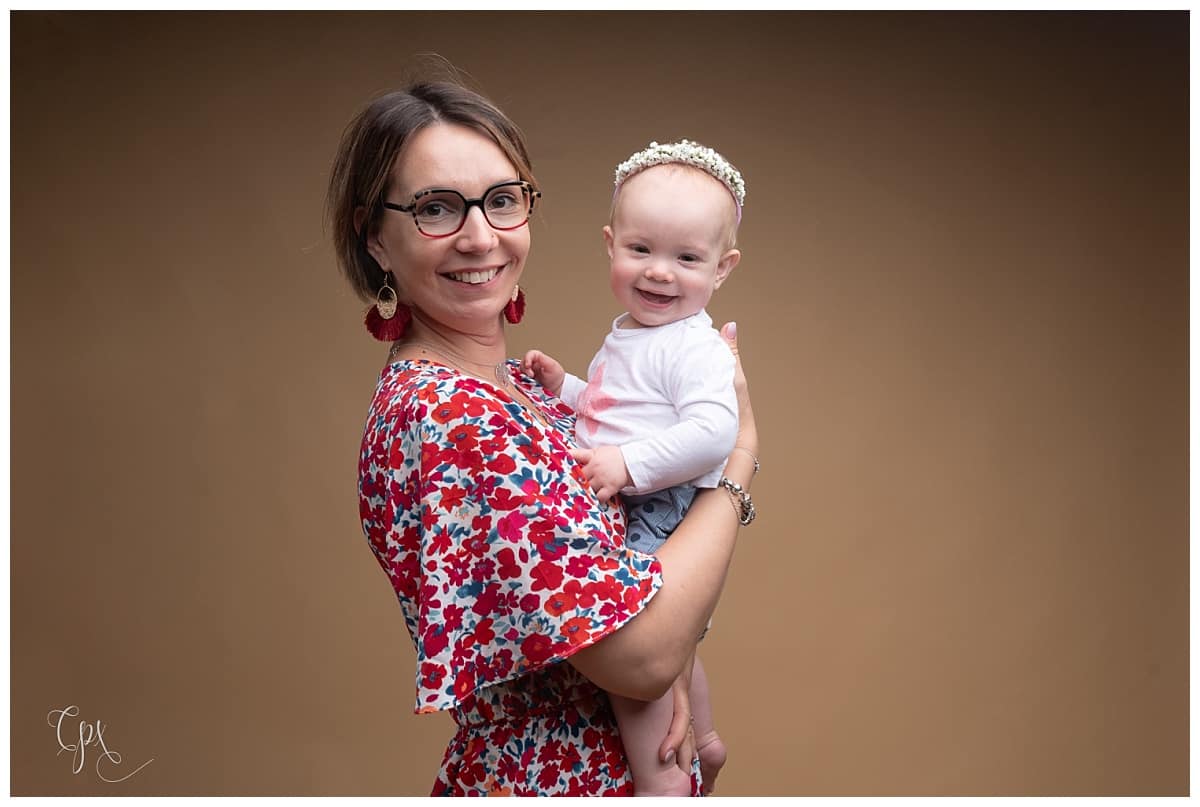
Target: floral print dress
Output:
{"points": [[504, 565]]}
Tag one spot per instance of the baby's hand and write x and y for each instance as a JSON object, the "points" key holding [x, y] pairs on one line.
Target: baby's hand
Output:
{"points": [[545, 370], [604, 467]]}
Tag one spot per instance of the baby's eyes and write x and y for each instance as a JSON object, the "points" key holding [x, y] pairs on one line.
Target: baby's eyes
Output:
{"points": [[686, 257]]}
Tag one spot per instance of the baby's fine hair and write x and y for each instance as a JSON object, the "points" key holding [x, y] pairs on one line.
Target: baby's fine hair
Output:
{"points": [[685, 152]]}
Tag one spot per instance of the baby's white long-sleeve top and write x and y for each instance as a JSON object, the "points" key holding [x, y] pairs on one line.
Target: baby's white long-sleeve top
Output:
{"points": [[665, 396]]}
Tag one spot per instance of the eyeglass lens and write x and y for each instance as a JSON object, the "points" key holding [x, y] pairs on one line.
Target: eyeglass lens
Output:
{"points": [[443, 212]]}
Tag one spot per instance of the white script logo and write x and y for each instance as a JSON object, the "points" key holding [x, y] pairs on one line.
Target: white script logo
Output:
{"points": [[89, 734]]}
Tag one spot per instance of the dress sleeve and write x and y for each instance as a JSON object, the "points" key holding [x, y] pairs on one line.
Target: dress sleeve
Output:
{"points": [[518, 566]]}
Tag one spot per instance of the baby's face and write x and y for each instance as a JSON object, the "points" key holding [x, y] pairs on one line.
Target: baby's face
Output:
{"points": [[669, 243]]}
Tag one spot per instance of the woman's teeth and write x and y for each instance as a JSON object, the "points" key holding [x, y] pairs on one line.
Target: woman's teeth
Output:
{"points": [[473, 277]]}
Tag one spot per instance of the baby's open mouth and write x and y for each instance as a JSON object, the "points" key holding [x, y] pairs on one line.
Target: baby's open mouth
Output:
{"points": [[658, 299]]}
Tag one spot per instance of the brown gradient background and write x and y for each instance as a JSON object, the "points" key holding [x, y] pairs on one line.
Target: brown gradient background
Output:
{"points": [[964, 308]]}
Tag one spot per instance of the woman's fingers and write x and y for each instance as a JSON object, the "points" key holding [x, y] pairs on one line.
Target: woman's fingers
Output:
{"points": [[687, 751], [681, 723], [729, 331], [729, 334], [747, 432]]}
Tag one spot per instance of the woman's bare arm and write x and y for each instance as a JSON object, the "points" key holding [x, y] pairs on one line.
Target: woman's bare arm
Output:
{"points": [[643, 658]]}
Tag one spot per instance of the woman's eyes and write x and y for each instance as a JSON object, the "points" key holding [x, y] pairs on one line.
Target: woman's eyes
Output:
{"points": [[437, 208], [502, 201]]}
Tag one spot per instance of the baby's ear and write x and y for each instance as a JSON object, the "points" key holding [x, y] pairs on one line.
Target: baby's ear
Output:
{"points": [[608, 240], [724, 266]]}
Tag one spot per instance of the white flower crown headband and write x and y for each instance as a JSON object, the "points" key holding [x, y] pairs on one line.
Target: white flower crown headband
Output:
{"points": [[691, 153]]}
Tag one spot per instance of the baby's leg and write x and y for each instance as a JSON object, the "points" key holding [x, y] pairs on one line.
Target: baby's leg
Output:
{"points": [[650, 519], [709, 747], [643, 727]]}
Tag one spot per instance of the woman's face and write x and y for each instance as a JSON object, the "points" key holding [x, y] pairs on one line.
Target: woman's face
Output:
{"points": [[460, 282]]}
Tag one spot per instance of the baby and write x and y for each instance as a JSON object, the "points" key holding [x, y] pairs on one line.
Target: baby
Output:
{"points": [[657, 417]]}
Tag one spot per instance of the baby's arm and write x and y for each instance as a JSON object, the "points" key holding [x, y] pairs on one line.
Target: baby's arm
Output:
{"points": [[681, 452], [673, 456], [701, 385]]}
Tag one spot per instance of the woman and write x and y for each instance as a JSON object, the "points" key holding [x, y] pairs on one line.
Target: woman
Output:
{"points": [[504, 563]]}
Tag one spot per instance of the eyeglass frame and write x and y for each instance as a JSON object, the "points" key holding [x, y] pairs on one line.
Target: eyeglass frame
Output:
{"points": [[411, 208]]}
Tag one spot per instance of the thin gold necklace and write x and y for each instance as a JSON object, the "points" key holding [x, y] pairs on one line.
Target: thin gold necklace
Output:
{"points": [[500, 372], [502, 375]]}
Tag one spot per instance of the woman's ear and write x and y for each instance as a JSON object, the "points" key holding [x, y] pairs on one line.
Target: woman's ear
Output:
{"points": [[724, 266], [374, 248]]}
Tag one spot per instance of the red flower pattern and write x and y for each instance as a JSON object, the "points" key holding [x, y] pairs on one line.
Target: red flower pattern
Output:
{"points": [[504, 565]]}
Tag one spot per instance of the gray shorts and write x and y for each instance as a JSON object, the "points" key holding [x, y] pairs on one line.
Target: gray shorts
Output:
{"points": [[652, 517]]}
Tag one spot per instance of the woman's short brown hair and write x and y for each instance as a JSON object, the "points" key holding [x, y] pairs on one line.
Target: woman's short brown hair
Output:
{"points": [[369, 147]]}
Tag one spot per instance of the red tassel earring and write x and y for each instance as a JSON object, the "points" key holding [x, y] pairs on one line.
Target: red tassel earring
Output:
{"points": [[514, 312], [388, 319]]}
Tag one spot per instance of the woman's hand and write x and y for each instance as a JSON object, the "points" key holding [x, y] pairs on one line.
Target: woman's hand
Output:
{"points": [[747, 431], [680, 743]]}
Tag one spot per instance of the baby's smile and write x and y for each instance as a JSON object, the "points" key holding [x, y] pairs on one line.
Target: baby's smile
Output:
{"points": [[661, 299]]}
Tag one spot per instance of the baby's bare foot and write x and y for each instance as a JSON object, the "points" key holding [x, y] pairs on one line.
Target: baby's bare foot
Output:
{"points": [[712, 755]]}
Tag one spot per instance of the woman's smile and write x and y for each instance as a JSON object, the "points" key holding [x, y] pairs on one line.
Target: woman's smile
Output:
{"points": [[476, 277]]}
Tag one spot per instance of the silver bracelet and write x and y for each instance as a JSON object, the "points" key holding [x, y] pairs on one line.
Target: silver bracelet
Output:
{"points": [[744, 506]]}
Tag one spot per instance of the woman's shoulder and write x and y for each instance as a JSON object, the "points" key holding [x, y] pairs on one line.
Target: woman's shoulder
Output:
{"points": [[415, 386], [420, 403]]}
